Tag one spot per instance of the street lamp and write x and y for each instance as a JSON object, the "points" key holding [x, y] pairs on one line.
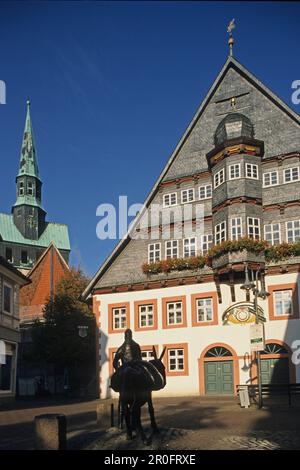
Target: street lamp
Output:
{"points": [[262, 294]]}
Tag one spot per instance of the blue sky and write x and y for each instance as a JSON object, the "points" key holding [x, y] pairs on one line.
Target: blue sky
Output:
{"points": [[113, 85]]}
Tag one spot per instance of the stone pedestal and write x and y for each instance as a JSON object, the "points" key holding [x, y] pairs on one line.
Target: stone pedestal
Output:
{"points": [[106, 416], [50, 432]]}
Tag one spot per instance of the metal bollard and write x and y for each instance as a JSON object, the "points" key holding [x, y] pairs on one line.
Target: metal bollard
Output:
{"points": [[50, 432]]}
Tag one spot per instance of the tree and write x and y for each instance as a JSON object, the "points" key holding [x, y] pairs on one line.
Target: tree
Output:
{"points": [[55, 338]]}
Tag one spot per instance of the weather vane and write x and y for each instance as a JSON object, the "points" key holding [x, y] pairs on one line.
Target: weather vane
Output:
{"points": [[230, 27]]}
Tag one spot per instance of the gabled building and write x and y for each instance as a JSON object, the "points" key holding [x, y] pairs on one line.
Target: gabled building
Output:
{"points": [[239, 160], [25, 233], [43, 277], [45, 274]]}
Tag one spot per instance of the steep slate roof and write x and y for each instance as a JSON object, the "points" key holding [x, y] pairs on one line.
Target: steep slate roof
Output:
{"points": [[189, 158], [56, 233]]}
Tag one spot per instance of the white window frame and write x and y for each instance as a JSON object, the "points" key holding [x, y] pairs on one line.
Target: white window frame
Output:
{"points": [[176, 315], [178, 358], [118, 313], [234, 166], [148, 314], [238, 227], [251, 167], [269, 174], [293, 238], [220, 229], [206, 191], [219, 178], [206, 241], [187, 192], [191, 245], [147, 354], [271, 233], [6, 284], [170, 203], [207, 308], [290, 170], [173, 246], [253, 226], [282, 303], [154, 251]]}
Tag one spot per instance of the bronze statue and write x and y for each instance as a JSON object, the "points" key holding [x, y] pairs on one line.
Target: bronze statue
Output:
{"points": [[128, 351], [135, 380]]}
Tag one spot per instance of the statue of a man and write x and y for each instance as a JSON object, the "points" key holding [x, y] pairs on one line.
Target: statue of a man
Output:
{"points": [[129, 351]]}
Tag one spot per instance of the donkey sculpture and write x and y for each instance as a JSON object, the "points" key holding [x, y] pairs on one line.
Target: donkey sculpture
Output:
{"points": [[137, 381]]}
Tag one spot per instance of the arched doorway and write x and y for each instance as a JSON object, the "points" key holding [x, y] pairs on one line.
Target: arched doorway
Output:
{"points": [[276, 365], [218, 370]]}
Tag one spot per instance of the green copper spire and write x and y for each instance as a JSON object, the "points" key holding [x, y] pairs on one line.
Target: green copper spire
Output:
{"points": [[28, 158], [28, 213]]}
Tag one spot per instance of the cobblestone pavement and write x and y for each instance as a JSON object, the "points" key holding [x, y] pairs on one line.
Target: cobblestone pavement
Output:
{"points": [[187, 423]]}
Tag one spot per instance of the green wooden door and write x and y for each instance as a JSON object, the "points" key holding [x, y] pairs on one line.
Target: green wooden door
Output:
{"points": [[219, 378], [275, 371]]}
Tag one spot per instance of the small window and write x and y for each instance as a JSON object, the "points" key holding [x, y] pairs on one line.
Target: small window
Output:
{"points": [[189, 247], [236, 228], [146, 315], [219, 178], [147, 355], [272, 234], [254, 228], [234, 171], [21, 188], [205, 192], [293, 231], [30, 188], [7, 298], [24, 257], [291, 174], [153, 252], [252, 171], [8, 254], [270, 178], [119, 318], [204, 309], [283, 302], [187, 195], [174, 313], [171, 248], [176, 360], [206, 242], [169, 200], [220, 232]]}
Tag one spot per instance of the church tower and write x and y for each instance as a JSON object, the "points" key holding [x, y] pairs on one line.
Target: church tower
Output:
{"points": [[28, 213], [25, 233]]}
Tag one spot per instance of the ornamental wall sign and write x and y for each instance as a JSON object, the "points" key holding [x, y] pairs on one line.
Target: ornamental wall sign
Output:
{"points": [[242, 313]]}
